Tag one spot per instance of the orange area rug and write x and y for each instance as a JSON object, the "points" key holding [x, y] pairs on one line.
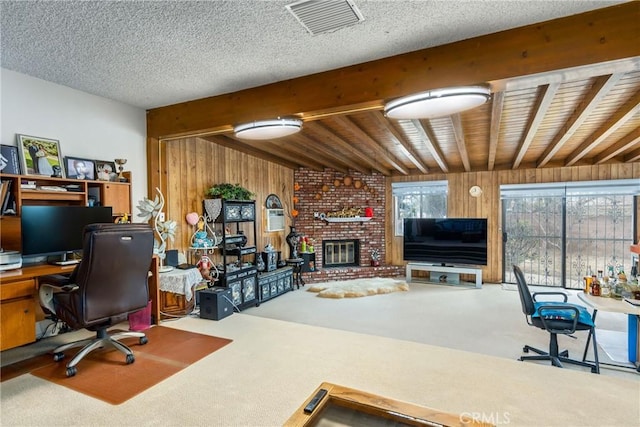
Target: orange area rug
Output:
{"points": [[104, 374]]}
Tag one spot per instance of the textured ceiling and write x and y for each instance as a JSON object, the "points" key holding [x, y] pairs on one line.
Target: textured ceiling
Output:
{"points": [[154, 53]]}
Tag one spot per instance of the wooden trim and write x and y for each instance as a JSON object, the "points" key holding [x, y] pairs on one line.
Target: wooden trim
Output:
{"points": [[378, 406], [588, 38]]}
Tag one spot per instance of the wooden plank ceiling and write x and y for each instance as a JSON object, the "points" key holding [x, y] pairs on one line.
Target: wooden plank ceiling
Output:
{"points": [[583, 114], [591, 120]]}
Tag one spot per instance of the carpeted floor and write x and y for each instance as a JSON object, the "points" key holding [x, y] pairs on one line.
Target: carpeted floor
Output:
{"points": [[103, 374], [274, 364]]}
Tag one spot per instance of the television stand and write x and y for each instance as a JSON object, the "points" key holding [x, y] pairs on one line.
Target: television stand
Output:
{"points": [[437, 270]]}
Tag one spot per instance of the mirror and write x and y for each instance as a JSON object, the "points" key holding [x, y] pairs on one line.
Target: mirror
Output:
{"points": [[275, 213]]}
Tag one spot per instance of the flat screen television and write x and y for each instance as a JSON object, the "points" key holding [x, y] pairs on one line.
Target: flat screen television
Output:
{"points": [[57, 230], [446, 241]]}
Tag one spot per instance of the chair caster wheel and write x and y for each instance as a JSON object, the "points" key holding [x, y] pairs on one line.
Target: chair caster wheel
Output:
{"points": [[58, 357], [525, 349], [143, 340], [72, 371], [130, 359]]}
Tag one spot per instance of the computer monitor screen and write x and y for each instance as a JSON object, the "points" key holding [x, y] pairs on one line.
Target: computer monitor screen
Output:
{"points": [[57, 230]]}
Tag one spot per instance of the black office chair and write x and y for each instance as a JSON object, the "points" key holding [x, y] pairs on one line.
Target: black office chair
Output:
{"points": [[110, 282], [556, 317]]}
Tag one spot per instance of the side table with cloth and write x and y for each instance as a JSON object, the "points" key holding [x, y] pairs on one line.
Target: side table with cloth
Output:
{"points": [[177, 292]]}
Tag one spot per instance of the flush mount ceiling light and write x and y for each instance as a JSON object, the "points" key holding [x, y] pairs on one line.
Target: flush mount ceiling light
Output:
{"points": [[268, 129], [437, 103]]}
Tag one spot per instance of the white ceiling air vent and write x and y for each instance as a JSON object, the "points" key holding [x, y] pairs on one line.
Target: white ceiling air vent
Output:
{"points": [[321, 16]]}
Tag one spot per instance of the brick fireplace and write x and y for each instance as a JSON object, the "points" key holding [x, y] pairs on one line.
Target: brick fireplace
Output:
{"points": [[370, 234]]}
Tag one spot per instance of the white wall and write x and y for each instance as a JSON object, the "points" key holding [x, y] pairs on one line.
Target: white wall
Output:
{"points": [[86, 125]]}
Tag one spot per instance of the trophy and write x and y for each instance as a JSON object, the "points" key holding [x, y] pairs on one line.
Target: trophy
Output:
{"points": [[120, 163]]}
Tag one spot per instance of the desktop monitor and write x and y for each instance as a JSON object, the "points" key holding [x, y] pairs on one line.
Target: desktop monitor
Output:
{"points": [[57, 230]]}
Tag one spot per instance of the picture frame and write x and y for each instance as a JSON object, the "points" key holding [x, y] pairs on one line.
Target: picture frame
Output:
{"points": [[106, 171], [79, 168], [9, 160], [40, 156]]}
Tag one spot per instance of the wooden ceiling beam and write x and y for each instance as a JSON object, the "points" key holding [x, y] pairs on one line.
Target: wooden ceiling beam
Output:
{"points": [[633, 156], [497, 104], [227, 142], [317, 151], [319, 133], [625, 143], [620, 117], [400, 140], [458, 131], [323, 132], [379, 150], [588, 38], [543, 101], [600, 88], [429, 139]]}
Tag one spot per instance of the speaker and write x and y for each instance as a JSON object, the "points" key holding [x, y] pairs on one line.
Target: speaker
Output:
{"points": [[215, 303], [171, 257]]}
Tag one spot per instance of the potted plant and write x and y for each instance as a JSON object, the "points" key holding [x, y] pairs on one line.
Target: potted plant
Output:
{"points": [[230, 192]]}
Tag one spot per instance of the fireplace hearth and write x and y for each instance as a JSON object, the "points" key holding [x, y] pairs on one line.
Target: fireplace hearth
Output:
{"points": [[340, 253]]}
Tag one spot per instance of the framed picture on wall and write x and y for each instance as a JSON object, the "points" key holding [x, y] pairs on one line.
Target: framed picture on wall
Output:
{"points": [[78, 168], [106, 171], [40, 156], [9, 159]]}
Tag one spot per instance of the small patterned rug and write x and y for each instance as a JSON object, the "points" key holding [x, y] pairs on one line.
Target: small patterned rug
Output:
{"points": [[359, 287]]}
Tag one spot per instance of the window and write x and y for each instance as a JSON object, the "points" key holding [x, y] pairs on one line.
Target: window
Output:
{"points": [[423, 199], [555, 232]]}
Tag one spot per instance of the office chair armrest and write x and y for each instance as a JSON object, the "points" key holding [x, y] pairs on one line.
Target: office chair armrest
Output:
{"points": [[59, 281], [555, 308], [564, 296]]}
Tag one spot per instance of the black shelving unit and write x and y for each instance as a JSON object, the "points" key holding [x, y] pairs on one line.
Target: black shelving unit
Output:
{"points": [[238, 251]]}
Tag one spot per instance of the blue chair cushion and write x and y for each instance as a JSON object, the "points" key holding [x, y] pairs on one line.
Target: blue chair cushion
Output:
{"points": [[583, 317]]}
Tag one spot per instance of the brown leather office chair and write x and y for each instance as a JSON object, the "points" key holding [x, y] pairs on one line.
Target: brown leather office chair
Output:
{"points": [[110, 282]]}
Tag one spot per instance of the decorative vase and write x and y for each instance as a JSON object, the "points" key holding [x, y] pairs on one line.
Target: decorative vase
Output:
{"points": [[293, 239], [260, 266]]}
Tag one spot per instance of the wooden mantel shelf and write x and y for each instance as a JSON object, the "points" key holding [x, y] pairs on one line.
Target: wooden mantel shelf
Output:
{"points": [[635, 248], [349, 219]]}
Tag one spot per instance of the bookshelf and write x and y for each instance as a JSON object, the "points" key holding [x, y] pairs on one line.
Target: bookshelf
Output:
{"points": [[43, 190]]}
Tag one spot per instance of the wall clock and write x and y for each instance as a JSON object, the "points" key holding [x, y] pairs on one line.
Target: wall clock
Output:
{"points": [[475, 191]]}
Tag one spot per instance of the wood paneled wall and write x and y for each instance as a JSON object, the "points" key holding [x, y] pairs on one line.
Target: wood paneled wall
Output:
{"points": [[193, 165], [461, 204]]}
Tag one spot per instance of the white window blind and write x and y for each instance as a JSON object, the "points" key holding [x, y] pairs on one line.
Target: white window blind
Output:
{"points": [[420, 187], [622, 187]]}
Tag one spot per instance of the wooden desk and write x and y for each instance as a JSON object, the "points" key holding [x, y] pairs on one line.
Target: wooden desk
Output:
{"points": [[19, 307], [619, 306]]}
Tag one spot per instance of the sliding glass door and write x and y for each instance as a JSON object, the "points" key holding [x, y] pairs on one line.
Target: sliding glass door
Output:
{"points": [[557, 232]]}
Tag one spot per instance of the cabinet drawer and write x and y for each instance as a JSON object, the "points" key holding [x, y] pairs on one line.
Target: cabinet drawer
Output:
{"points": [[17, 323], [17, 289]]}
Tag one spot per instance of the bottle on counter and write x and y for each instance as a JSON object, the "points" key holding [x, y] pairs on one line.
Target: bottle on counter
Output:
{"points": [[587, 279], [595, 286], [605, 287]]}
